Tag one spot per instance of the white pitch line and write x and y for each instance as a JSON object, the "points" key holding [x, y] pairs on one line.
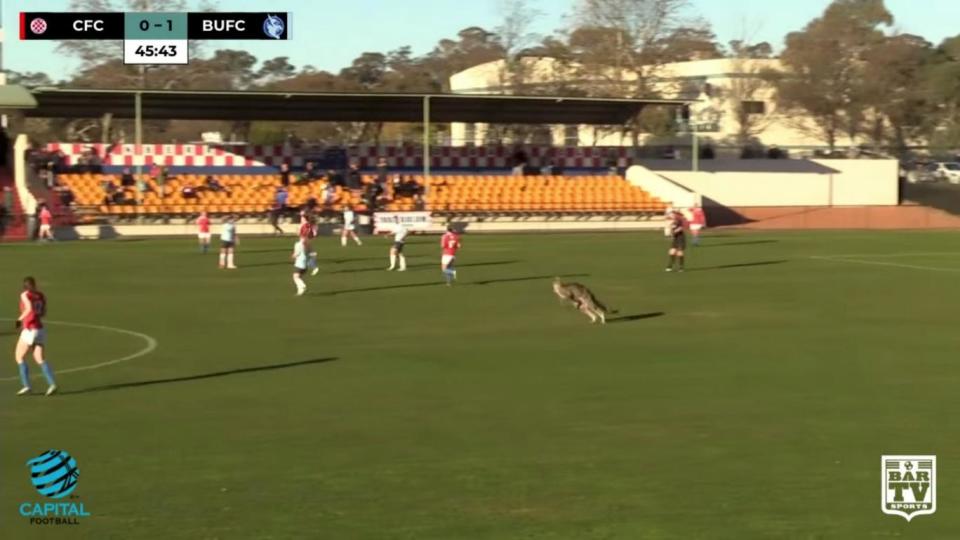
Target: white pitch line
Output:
{"points": [[879, 263], [149, 340]]}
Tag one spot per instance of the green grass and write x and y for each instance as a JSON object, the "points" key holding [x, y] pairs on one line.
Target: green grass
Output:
{"points": [[756, 406]]}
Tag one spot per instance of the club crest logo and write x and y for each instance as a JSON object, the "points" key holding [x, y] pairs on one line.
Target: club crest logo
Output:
{"points": [[54, 473], [909, 486], [273, 27], [38, 26]]}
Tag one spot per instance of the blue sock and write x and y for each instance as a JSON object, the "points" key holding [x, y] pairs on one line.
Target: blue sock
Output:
{"points": [[47, 372], [24, 373], [448, 275]]}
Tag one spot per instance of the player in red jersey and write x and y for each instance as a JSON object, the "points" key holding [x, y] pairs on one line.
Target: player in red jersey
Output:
{"points": [[46, 223], [698, 222], [33, 306], [307, 231], [450, 243], [203, 232]]}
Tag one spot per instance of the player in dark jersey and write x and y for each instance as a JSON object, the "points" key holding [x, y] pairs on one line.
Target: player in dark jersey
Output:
{"points": [[33, 306], [678, 241]]}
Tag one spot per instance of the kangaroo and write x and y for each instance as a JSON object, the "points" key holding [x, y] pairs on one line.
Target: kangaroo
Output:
{"points": [[584, 300]]}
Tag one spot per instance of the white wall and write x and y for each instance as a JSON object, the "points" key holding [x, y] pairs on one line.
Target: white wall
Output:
{"points": [[834, 182], [662, 187]]}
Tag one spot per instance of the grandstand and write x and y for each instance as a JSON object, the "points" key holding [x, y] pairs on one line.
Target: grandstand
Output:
{"points": [[467, 190], [253, 194]]}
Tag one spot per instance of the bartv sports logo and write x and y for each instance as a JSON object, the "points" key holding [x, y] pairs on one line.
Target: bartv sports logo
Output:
{"points": [[909, 487], [54, 474]]}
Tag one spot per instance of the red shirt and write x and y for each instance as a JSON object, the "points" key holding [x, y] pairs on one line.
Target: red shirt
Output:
{"points": [[46, 218], [306, 231], [34, 305], [450, 243], [699, 218], [204, 224]]}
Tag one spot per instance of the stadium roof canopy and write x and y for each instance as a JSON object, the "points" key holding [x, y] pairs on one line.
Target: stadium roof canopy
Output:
{"points": [[368, 107]]}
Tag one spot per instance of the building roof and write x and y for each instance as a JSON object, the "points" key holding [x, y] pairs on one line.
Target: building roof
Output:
{"points": [[16, 97], [369, 107]]}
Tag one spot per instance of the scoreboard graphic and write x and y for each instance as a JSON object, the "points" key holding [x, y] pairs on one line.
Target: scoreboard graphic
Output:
{"points": [[155, 38]]}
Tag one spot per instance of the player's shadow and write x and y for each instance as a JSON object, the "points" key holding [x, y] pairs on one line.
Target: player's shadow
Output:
{"points": [[527, 278], [439, 283], [744, 243], [213, 375], [638, 317], [423, 265], [274, 263], [275, 250], [737, 265]]}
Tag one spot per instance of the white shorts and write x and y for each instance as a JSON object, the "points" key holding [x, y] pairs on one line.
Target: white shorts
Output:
{"points": [[44, 228], [695, 226], [203, 236], [349, 227], [37, 336], [445, 260]]}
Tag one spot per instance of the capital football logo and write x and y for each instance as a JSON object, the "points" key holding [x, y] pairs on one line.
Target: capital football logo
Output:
{"points": [[54, 473], [38, 26], [909, 486]]}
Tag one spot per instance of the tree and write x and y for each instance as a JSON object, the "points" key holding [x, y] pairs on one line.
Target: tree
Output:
{"points": [[941, 78], [826, 62], [685, 44], [275, 69], [892, 72]]}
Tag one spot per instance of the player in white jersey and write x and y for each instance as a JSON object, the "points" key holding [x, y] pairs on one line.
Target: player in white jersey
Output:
{"points": [[300, 258], [396, 251], [349, 219], [228, 241]]}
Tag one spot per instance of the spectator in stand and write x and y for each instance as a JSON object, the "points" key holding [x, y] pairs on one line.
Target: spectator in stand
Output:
{"points": [[284, 174], [188, 192], [382, 172], [109, 191], [161, 178], [154, 172], [354, 179], [214, 185], [66, 196], [328, 193], [126, 179], [142, 186], [419, 204]]}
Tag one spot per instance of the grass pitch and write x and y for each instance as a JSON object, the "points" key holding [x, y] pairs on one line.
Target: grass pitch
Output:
{"points": [[750, 397]]}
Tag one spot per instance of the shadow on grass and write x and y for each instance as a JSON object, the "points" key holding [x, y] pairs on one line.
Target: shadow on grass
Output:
{"points": [[528, 278], [735, 266], [214, 375], [422, 265], [257, 265], [277, 250], [744, 243], [439, 282], [638, 317]]}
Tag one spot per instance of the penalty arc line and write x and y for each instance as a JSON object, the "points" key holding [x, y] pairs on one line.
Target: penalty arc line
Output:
{"points": [[879, 263], [151, 345]]}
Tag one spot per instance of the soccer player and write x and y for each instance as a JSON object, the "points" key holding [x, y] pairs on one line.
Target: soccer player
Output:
{"points": [[307, 231], [396, 251], [698, 222], [33, 306], [228, 240], [203, 232], [450, 243], [300, 262], [348, 227], [678, 242]]}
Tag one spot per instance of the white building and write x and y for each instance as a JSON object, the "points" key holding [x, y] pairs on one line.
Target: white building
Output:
{"points": [[722, 86]]}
